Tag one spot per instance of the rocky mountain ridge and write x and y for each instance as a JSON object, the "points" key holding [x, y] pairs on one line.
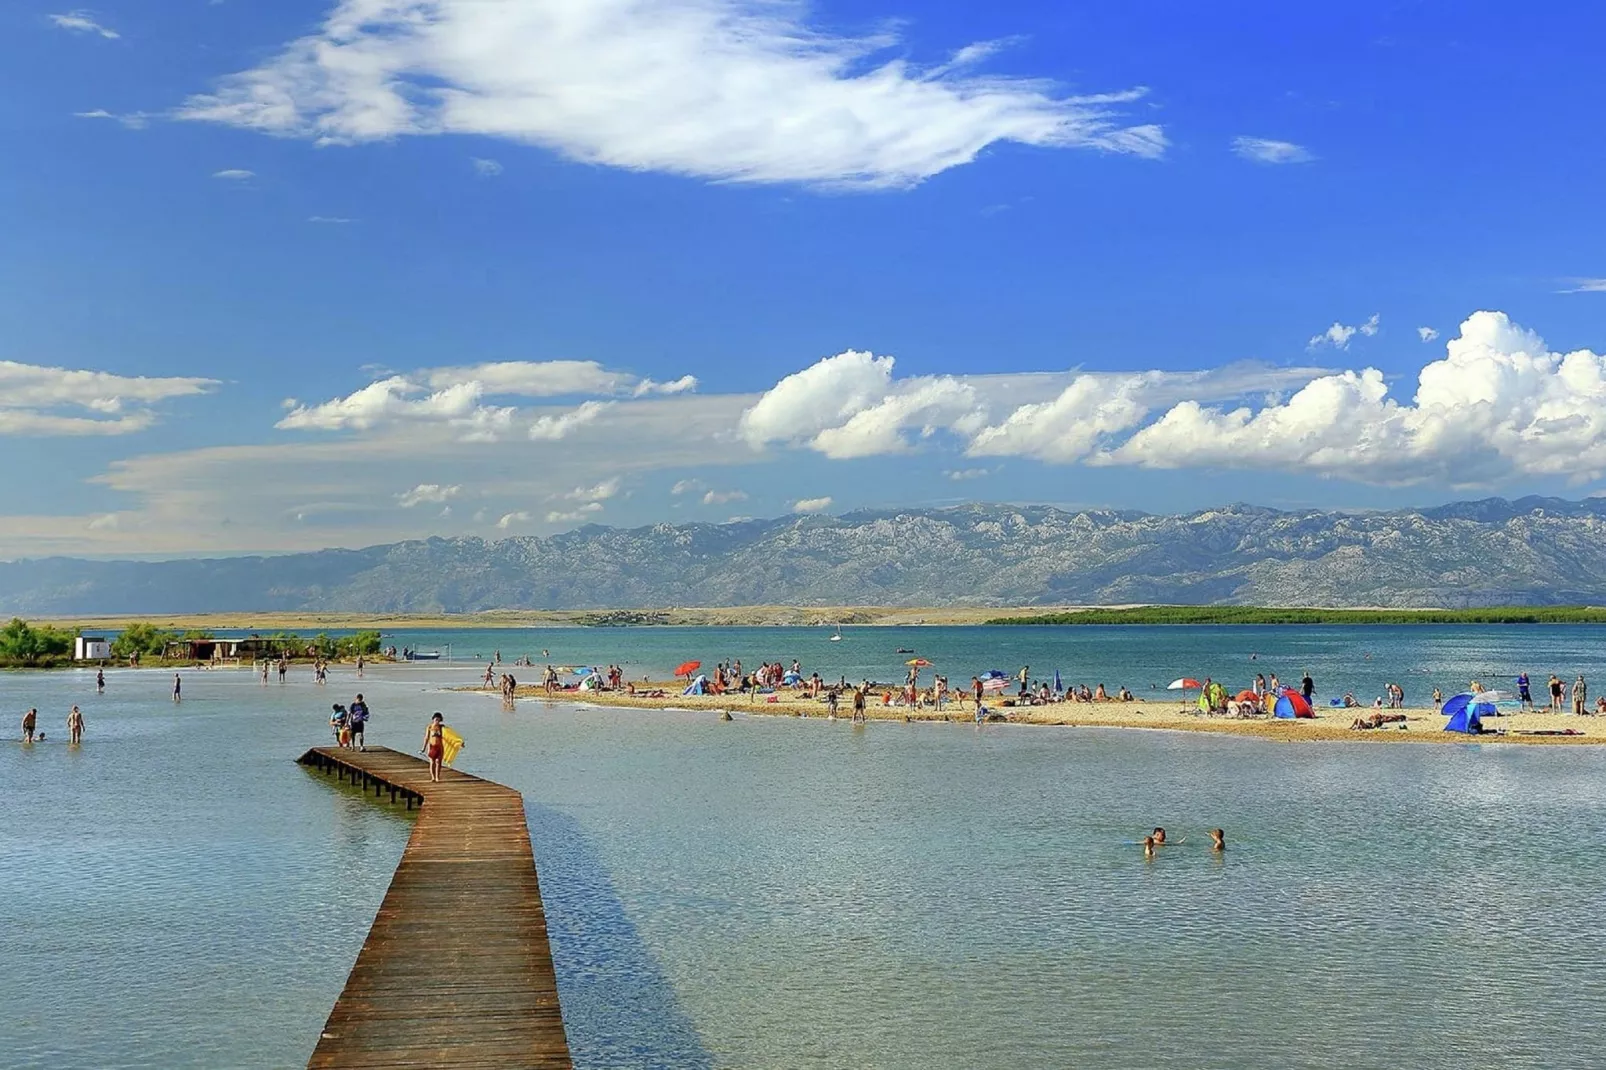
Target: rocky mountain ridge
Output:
{"points": [[1538, 551]]}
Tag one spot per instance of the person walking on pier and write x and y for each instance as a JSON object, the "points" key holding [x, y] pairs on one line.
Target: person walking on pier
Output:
{"points": [[435, 745], [75, 726], [357, 719]]}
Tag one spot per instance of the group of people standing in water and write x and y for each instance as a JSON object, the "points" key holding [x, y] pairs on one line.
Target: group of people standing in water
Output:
{"points": [[75, 727]]}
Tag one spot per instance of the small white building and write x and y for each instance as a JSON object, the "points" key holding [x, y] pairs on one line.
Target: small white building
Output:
{"points": [[91, 648]]}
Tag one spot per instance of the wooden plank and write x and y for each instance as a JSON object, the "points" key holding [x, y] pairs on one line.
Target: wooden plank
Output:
{"points": [[456, 970]]}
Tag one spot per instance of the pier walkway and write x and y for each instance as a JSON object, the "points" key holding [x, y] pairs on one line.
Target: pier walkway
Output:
{"points": [[456, 971]]}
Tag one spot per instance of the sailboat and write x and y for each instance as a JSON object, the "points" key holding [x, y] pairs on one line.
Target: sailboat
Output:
{"points": [[837, 638]]}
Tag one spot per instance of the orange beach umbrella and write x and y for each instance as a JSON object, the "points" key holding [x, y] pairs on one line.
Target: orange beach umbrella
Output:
{"points": [[686, 668]]}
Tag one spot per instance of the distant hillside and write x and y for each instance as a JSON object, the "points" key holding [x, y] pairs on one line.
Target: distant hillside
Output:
{"points": [[1535, 551]]}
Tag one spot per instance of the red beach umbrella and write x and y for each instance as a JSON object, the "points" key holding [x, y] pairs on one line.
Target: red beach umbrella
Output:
{"points": [[686, 668], [1186, 683]]}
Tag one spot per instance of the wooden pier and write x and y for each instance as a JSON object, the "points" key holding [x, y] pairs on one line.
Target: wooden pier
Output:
{"points": [[456, 971]]}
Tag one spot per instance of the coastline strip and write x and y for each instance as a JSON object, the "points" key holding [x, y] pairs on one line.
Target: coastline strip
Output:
{"points": [[456, 970]]}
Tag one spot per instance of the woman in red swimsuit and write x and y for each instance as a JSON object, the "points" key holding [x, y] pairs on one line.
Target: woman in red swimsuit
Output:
{"points": [[435, 745]]}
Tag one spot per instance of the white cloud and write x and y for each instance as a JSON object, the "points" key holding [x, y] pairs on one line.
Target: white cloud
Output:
{"points": [[486, 168], [534, 379], [1266, 150], [458, 398], [105, 522], [234, 174], [686, 486], [735, 90], [433, 493], [1586, 286], [509, 519], [1499, 406], [959, 475], [1427, 334], [1338, 335], [584, 511], [600, 492], [724, 497], [811, 505], [554, 428], [33, 397], [1070, 426], [682, 385], [83, 22], [334, 219], [134, 120]]}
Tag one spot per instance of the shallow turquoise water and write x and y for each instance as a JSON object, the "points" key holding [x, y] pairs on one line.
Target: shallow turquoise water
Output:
{"points": [[775, 893]]}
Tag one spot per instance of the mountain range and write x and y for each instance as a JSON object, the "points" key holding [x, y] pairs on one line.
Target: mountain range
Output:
{"points": [[1533, 551]]}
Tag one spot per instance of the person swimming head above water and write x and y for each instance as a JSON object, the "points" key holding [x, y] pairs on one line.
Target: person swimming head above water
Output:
{"points": [[1158, 837], [1148, 847], [1218, 840]]}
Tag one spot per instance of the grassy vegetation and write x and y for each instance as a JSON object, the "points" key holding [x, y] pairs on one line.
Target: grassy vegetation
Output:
{"points": [[1261, 615]]}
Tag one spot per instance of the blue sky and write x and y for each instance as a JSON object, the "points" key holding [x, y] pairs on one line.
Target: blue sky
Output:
{"points": [[1122, 255]]}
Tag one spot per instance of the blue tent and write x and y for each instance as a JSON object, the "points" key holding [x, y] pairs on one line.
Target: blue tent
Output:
{"points": [[1290, 705], [698, 686], [1466, 713]]}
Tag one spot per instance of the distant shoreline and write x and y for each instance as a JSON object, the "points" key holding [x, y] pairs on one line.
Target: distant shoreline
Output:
{"points": [[845, 616]]}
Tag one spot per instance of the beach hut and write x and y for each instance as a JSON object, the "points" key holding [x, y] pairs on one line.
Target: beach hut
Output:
{"points": [[1466, 712], [1291, 704]]}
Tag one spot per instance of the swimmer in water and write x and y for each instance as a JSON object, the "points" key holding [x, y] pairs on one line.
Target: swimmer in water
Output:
{"points": [[1218, 840], [1158, 837], [1148, 847]]}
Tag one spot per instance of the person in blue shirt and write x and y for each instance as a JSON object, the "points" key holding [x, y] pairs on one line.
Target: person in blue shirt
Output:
{"points": [[1523, 693]]}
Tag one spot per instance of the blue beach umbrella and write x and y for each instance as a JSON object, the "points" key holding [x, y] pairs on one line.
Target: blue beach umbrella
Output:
{"points": [[1057, 687], [1466, 712]]}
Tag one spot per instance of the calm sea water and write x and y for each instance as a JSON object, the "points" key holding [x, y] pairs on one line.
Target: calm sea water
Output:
{"points": [[769, 893]]}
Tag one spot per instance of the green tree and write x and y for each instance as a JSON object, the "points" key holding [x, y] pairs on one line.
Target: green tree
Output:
{"points": [[143, 639], [24, 644]]}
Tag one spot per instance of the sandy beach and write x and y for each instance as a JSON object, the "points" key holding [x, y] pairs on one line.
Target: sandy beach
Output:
{"points": [[1422, 726]]}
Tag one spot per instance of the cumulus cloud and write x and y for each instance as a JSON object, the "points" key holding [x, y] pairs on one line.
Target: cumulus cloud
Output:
{"points": [[850, 406], [459, 397], [724, 497], [432, 493], [553, 428], [40, 400], [599, 492], [960, 475], [1339, 335], [1427, 334], [811, 505], [84, 22], [486, 168], [558, 516], [509, 519], [733, 90], [1267, 150], [1499, 405], [675, 386]]}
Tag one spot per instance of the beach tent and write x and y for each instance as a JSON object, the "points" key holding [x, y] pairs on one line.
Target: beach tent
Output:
{"points": [[698, 686], [1466, 712], [1291, 704]]}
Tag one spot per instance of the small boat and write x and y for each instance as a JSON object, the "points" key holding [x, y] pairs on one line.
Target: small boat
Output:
{"points": [[837, 638], [417, 655], [904, 650]]}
